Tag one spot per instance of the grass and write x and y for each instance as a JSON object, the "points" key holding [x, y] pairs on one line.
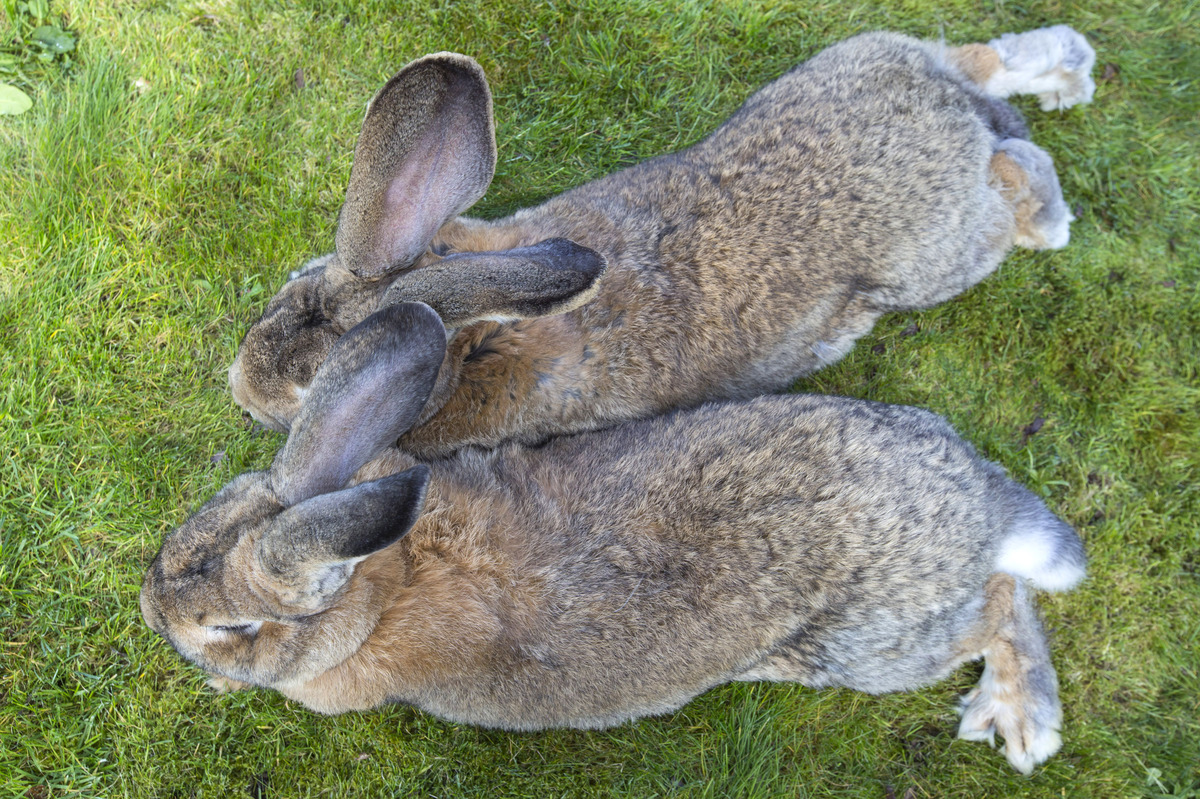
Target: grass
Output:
{"points": [[153, 199]]}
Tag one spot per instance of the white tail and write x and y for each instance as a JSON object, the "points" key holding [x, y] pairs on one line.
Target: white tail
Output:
{"points": [[1042, 548]]}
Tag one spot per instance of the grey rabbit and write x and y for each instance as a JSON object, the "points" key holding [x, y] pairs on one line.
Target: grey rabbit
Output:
{"points": [[613, 574], [883, 174]]}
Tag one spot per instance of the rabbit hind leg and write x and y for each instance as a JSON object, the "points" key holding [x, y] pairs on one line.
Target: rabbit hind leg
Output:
{"points": [[1054, 63], [1024, 174], [1017, 696]]}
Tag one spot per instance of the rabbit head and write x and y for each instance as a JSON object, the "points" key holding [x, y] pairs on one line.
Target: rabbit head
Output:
{"points": [[259, 585], [426, 153]]}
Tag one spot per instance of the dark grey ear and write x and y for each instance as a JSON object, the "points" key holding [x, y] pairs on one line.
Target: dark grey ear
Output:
{"points": [[310, 549], [426, 153], [547, 278], [368, 392]]}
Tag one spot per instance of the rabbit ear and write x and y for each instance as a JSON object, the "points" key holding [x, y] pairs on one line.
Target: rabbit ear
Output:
{"points": [[547, 278], [426, 153], [310, 550], [368, 392]]}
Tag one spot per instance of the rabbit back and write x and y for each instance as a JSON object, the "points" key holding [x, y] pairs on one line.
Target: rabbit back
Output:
{"points": [[883, 174], [809, 539], [861, 171], [856, 184]]}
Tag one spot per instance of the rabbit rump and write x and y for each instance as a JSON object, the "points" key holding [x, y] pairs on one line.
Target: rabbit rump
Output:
{"points": [[884, 174], [613, 574]]}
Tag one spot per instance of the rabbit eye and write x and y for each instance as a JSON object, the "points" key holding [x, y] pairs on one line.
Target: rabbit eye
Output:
{"points": [[250, 628], [202, 569]]}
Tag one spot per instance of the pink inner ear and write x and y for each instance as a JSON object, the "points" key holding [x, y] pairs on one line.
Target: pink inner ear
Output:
{"points": [[449, 169], [426, 153], [416, 205]]}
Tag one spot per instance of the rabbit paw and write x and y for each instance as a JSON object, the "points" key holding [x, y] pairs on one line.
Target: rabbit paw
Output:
{"points": [[224, 685], [1026, 175], [1074, 71], [1053, 63], [1028, 740]]}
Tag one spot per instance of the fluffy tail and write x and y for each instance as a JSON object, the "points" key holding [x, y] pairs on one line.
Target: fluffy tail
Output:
{"points": [[1041, 547]]}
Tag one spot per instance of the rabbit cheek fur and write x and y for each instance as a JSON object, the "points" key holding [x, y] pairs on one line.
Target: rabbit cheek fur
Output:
{"points": [[883, 174]]}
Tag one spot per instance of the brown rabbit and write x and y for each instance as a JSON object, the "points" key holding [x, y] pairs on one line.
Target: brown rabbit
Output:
{"points": [[614, 574], [884, 174]]}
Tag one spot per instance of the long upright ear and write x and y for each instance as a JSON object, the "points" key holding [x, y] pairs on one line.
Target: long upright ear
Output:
{"points": [[547, 278], [426, 153], [310, 549], [370, 390]]}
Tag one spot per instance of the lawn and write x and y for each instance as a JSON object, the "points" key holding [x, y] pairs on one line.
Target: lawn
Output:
{"points": [[192, 153]]}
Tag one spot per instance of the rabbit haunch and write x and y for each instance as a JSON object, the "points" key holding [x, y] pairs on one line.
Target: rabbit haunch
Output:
{"points": [[883, 174], [614, 574]]}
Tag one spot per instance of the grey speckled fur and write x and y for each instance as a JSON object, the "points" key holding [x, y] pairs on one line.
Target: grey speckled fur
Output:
{"points": [[880, 175], [614, 574]]}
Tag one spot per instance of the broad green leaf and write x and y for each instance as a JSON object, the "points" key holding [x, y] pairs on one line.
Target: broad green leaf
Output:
{"points": [[13, 100], [38, 9], [54, 38]]}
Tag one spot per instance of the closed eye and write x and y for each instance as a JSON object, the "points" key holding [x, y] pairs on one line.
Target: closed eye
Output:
{"points": [[249, 628]]}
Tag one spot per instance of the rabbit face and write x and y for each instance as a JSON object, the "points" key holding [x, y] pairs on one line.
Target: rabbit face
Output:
{"points": [[279, 355], [196, 599], [265, 594]]}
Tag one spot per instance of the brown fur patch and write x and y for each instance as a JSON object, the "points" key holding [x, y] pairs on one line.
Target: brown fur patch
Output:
{"points": [[435, 594], [460, 235], [1006, 176], [997, 612], [490, 382], [977, 61]]}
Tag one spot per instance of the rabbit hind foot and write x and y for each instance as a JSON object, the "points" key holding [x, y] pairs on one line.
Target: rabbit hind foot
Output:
{"points": [[1017, 695], [1054, 63]]}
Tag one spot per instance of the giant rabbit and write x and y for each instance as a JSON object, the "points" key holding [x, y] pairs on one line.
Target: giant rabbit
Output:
{"points": [[883, 174], [612, 574]]}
